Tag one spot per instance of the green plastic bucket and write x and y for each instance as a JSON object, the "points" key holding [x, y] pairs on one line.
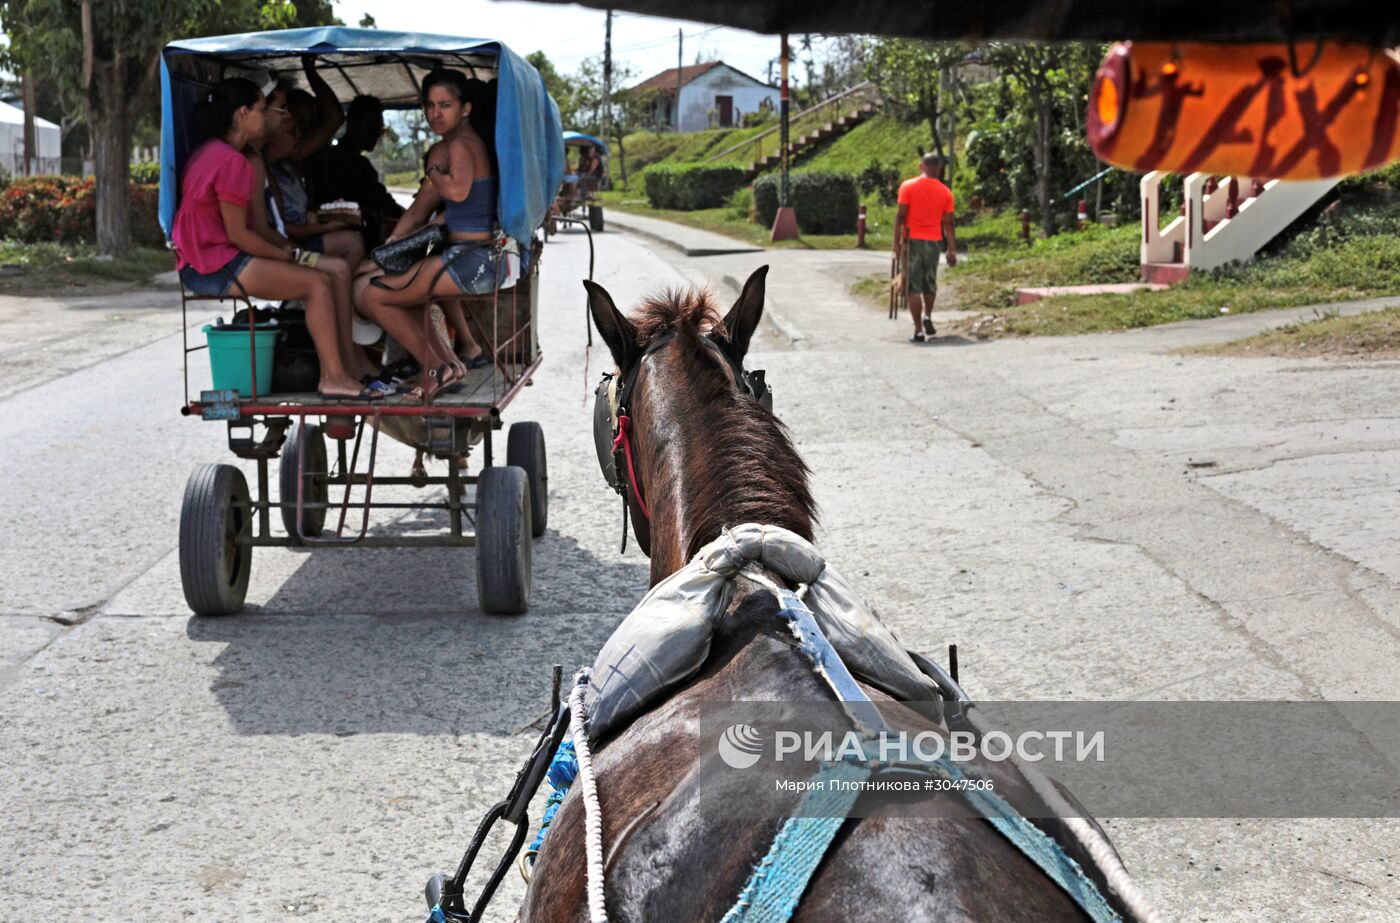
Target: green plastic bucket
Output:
{"points": [[230, 364]]}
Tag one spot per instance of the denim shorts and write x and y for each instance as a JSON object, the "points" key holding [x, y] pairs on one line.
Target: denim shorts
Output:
{"points": [[471, 266], [217, 283]]}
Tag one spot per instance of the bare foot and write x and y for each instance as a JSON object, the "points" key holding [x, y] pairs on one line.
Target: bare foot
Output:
{"points": [[339, 387]]}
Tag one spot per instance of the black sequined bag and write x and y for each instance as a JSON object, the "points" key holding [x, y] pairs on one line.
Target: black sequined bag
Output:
{"points": [[399, 256]]}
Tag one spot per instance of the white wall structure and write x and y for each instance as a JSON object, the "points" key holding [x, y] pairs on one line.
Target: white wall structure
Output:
{"points": [[47, 143], [713, 95], [1208, 235]]}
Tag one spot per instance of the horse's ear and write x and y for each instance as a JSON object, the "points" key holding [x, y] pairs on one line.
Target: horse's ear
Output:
{"points": [[617, 330], [743, 318]]}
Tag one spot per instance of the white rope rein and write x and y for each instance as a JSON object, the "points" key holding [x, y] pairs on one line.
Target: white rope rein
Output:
{"points": [[592, 811], [1093, 841]]}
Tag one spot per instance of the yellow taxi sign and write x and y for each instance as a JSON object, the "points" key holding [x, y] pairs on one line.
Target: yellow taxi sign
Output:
{"points": [[1270, 111]]}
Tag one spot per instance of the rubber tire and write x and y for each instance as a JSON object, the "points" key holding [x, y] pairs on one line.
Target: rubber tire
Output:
{"points": [[213, 570], [317, 490], [595, 217], [503, 546], [525, 449]]}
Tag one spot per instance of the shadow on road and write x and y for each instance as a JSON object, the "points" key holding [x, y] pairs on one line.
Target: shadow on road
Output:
{"points": [[392, 641]]}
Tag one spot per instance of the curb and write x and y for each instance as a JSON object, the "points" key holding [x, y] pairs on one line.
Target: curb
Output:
{"points": [[786, 328], [688, 251]]}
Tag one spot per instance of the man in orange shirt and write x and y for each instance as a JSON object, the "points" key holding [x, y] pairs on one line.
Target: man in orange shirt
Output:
{"points": [[925, 219]]}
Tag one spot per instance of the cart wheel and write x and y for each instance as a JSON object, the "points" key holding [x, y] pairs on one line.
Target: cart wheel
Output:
{"points": [[525, 449], [595, 217], [213, 565], [503, 541], [315, 487]]}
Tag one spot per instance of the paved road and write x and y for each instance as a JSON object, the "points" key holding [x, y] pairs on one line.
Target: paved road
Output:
{"points": [[1086, 518]]}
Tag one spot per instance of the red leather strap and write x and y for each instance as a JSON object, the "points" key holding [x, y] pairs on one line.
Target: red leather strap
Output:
{"points": [[623, 438]]}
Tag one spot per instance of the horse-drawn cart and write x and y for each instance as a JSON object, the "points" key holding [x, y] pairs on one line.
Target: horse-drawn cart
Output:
{"points": [[325, 496], [578, 194]]}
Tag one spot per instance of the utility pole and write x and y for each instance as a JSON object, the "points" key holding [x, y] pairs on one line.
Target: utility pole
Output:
{"points": [[26, 92], [785, 222], [607, 80], [680, 62]]}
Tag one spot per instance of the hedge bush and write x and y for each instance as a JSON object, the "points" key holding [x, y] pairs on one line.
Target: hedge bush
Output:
{"points": [[688, 186], [826, 203], [63, 209], [146, 173]]}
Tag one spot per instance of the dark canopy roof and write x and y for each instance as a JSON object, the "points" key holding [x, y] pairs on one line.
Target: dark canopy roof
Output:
{"points": [[1048, 20]]}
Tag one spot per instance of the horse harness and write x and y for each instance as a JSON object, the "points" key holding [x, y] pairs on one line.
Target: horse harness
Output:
{"points": [[612, 424], [776, 884]]}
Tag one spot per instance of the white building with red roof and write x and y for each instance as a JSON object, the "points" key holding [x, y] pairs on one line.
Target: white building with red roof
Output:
{"points": [[712, 95]]}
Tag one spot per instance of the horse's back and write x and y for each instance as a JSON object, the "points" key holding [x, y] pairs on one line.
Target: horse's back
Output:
{"points": [[676, 848]]}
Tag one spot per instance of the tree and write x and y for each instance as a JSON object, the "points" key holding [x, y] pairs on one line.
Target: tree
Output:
{"points": [[630, 110], [1054, 81], [556, 85], [918, 80], [108, 55], [367, 22]]}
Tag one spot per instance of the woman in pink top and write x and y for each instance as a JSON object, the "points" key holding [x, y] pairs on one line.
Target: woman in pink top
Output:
{"points": [[218, 247]]}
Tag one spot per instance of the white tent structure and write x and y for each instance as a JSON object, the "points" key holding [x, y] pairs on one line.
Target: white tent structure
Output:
{"points": [[47, 143]]}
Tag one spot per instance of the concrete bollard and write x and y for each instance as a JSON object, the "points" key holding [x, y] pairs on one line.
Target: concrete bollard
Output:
{"points": [[1026, 225], [1082, 216], [860, 228]]}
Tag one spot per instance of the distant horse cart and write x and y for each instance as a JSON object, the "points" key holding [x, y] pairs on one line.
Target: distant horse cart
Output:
{"points": [[326, 450], [587, 174]]}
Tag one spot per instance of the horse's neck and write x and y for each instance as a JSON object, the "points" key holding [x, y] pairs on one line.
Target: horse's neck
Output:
{"points": [[669, 470], [713, 466]]}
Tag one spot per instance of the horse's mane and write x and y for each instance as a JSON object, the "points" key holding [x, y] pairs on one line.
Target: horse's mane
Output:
{"points": [[741, 464]]}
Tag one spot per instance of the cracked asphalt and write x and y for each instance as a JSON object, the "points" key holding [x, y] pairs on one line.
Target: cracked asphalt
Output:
{"points": [[1090, 517]]}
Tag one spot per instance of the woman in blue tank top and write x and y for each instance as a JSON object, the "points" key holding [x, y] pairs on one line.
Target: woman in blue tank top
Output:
{"points": [[460, 182]]}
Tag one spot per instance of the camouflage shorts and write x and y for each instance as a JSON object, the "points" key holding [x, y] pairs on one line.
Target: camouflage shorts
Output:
{"points": [[923, 266]]}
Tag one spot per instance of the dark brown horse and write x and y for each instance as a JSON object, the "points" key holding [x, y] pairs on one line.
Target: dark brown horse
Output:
{"points": [[708, 456]]}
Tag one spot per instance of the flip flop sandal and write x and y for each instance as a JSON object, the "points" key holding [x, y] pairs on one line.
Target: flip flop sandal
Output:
{"points": [[449, 388], [479, 361], [383, 388], [917, 338]]}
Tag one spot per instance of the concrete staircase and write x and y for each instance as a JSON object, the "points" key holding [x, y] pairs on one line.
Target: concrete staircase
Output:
{"points": [[1224, 220], [812, 126], [822, 133]]}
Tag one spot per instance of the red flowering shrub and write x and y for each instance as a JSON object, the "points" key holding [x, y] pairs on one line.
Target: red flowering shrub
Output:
{"points": [[63, 209]]}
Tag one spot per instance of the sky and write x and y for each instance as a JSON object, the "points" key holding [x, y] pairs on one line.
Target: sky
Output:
{"points": [[569, 33]]}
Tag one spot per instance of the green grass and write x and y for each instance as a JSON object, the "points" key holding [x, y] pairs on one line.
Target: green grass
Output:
{"points": [[48, 267], [1354, 255], [645, 148], [408, 179], [989, 280], [881, 138], [1375, 335]]}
